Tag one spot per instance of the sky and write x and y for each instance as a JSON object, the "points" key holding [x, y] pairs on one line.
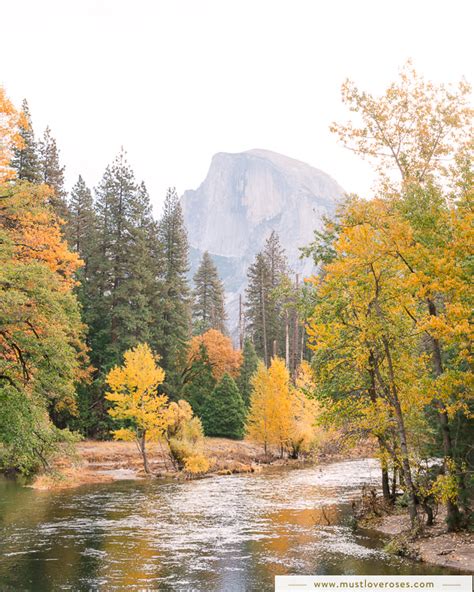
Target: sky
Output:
{"points": [[175, 81]]}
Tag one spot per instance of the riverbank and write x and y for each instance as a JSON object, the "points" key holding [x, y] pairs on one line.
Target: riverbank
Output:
{"points": [[101, 462], [435, 545]]}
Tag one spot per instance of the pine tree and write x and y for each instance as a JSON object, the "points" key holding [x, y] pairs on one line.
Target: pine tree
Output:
{"points": [[224, 411], [144, 275], [199, 381], [82, 235], [247, 370], [51, 172], [125, 272], [173, 318], [82, 222], [264, 300], [122, 275], [257, 304], [25, 159], [278, 270], [275, 256], [208, 303]]}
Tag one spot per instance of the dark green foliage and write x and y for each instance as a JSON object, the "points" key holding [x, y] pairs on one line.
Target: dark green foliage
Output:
{"points": [[121, 280], [274, 306], [208, 302], [25, 159], [256, 305], [224, 411], [247, 370], [172, 315], [133, 286], [199, 382], [122, 264], [52, 173], [264, 307], [81, 231]]}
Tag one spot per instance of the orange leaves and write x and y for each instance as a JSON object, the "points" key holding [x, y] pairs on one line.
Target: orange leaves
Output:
{"points": [[10, 122], [35, 231], [222, 356]]}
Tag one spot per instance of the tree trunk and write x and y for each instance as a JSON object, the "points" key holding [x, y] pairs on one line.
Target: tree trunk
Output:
{"points": [[453, 518], [394, 484], [402, 437], [385, 484], [142, 445], [406, 462]]}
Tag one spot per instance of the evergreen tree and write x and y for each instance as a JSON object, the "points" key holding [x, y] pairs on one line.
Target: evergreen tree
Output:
{"points": [[265, 300], [51, 172], [208, 304], [82, 237], [173, 318], [121, 275], [25, 158], [124, 263], [247, 370], [278, 270], [144, 274], [82, 222], [256, 305], [199, 381], [224, 411], [275, 256]]}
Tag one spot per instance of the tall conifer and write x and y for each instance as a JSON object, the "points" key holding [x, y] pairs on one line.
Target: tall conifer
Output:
{"points": [[51, 172], [247, 370], [25, 159], [208, 302], [174, 316]]}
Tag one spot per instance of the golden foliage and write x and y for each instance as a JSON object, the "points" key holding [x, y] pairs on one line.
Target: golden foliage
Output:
{"points": [[197, 464], [133, 390], [269, 420]]}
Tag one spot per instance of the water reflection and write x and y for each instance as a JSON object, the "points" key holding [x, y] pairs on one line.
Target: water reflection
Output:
{"points": [[223, 534]]}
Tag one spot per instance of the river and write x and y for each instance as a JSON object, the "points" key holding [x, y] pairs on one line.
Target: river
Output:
{"points": [[223, 534]]}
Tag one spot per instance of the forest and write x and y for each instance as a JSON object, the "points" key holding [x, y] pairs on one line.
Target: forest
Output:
{"points": [[104, 335]]}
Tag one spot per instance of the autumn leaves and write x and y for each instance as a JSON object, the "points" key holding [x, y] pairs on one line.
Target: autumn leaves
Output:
{"points": [[390, 328], [281, 416]]}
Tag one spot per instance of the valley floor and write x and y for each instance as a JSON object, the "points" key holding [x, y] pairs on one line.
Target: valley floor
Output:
{"points": [[99, 462]]}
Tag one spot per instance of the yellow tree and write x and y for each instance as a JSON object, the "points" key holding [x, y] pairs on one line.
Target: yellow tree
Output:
{"points": [[260, 411], [304, 412], [185, 437], [419, 136], [361, 333], [412, 133], [136, 402], [269, 420]]}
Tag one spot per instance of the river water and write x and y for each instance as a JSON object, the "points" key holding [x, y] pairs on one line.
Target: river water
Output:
{"points": [[223, 534]]}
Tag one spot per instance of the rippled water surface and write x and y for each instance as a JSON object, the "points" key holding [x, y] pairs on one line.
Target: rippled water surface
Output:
{"points": [[225, 534]]}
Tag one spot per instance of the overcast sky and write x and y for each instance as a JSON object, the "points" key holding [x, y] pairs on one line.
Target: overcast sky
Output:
{"points": [[176, 81]]}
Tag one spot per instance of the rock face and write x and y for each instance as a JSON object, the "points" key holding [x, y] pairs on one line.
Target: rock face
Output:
{"points": [[243, 198]]}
